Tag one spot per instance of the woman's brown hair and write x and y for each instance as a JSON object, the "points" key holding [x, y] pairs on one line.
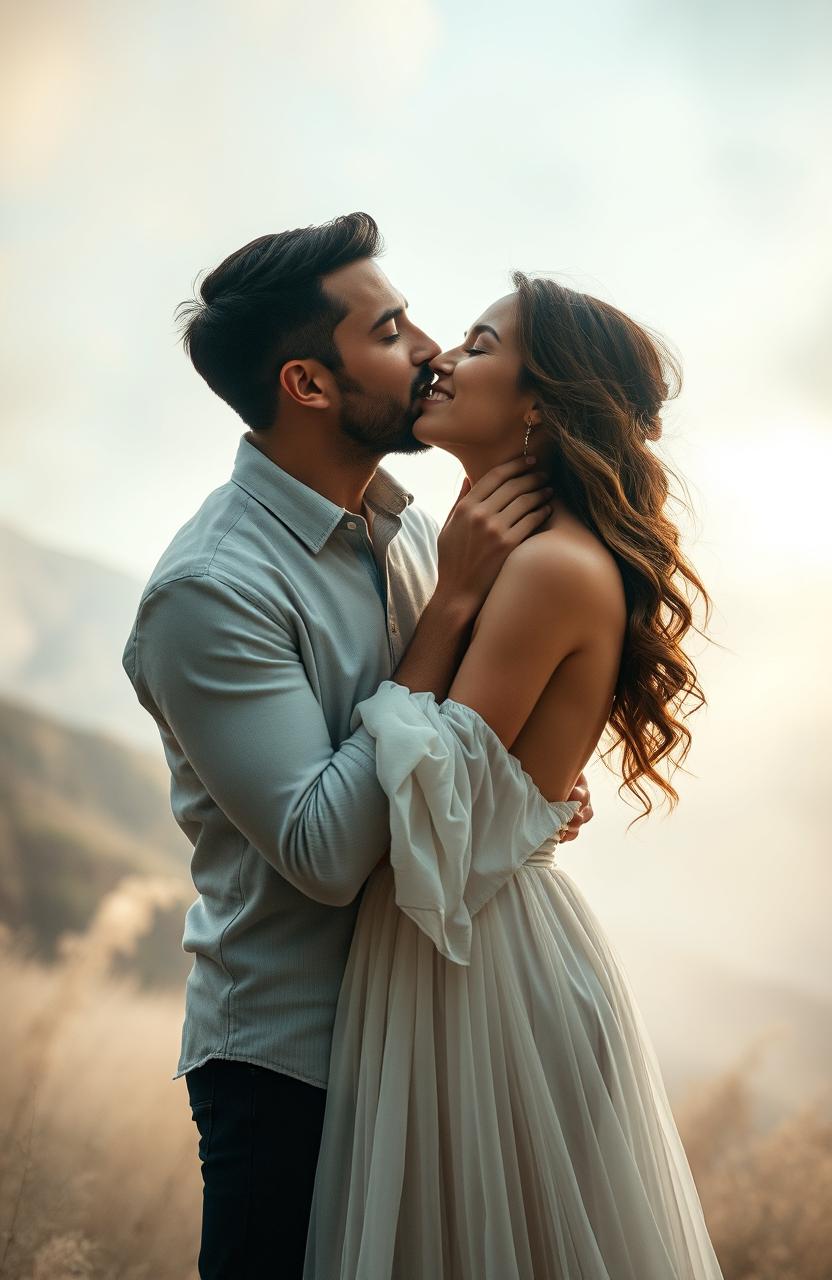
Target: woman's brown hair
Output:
{"points": [[600, 381]]}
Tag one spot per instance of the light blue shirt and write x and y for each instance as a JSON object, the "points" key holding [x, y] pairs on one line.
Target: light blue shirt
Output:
{"points": [[268, 618]]}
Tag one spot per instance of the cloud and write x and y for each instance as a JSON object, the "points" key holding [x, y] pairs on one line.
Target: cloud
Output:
{"points": [[144, 143], [42, 89], [96, 80], [364, 48]]}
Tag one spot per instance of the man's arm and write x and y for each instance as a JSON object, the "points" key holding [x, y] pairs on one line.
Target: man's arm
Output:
{"points": [[227, 679]]}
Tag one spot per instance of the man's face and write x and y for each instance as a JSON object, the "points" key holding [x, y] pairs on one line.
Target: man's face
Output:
{"points": [[386, 360]]}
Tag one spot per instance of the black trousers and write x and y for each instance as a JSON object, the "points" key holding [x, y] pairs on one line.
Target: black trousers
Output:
{"points": [[259, 1138]]}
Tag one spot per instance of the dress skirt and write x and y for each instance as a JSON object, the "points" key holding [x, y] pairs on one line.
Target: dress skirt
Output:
{"points": [[495, 1110]]}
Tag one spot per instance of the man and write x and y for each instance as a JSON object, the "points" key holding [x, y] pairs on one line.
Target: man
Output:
{"points": [[294, 590]]}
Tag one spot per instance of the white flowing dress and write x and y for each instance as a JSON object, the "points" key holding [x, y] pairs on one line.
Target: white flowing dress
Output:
{"points": [[495, 1110]]}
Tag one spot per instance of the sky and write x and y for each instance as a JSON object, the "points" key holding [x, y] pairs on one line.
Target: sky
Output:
{"points": [[671, 158]]}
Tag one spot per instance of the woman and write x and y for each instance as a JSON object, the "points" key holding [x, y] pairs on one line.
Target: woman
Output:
{"points": [[495, 1110]]}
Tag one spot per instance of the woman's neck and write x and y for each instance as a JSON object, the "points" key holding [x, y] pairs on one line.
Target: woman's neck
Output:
{"points": [[477, 461]]}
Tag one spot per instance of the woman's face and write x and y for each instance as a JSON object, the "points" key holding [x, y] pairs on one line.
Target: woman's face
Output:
{"points": [[476, 406]]}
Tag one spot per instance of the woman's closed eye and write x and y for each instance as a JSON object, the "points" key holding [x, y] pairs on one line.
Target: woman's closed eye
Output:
{"points": [[474, 351]]}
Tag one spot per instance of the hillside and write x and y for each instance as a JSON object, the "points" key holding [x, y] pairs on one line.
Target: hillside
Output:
{"points": [[78, 812], [65, 623]]}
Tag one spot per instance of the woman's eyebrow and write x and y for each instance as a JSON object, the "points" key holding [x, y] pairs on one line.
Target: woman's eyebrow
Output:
{"points": [[482, 328]]}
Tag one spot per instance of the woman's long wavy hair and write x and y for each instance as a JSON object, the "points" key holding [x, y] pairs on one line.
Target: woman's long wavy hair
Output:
{"points": [[600, 381]]}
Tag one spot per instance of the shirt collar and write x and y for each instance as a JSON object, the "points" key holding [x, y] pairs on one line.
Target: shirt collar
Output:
{"points": [[303, 510]]}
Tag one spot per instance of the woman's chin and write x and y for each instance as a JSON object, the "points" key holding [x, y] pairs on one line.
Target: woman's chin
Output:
{"points": [[431, 438], [426, 433], [431, 426], [420, 434]]}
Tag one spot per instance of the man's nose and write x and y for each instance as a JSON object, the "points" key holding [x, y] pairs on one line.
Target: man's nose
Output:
{"points": [[425, 350]]}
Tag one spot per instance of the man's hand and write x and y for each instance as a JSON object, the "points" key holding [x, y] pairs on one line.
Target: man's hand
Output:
{"points": [[579, 792], [487, 521]]}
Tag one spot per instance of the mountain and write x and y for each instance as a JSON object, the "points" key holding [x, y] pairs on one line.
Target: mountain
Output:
{"points": [[66, 620], [78, 813]]}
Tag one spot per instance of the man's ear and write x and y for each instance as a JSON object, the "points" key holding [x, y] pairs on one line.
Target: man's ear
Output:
{"points": [[308, 383]]}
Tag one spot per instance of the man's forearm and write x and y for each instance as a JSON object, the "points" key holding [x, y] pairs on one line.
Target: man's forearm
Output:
{"points": [[253, 732], [436, 649]]}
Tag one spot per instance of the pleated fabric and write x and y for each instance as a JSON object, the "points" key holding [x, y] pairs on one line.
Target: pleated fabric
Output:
{"points": [[495, 1110]]}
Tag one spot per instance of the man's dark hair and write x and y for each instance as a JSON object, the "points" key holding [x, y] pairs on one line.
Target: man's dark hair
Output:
{"points": [[265, 305]]}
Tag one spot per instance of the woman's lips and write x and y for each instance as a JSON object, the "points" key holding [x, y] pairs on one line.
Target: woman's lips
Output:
{"points": [[435, 397]]}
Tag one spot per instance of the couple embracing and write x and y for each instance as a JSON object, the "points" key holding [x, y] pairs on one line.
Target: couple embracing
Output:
{"points": [[410, 1052]]}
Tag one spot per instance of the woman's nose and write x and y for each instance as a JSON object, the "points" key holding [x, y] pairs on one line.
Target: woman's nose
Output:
{"points": [[445, 362]]}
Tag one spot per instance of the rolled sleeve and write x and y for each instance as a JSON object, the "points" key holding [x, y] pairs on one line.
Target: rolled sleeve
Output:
{"points": [[228, 681]]}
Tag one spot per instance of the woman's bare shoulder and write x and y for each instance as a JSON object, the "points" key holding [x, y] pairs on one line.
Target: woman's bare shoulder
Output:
{"points": [[568, 557], [561, 582]]}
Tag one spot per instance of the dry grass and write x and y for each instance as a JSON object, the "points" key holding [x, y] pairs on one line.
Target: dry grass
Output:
{"points": [[98, 1171], [767, 1196]]}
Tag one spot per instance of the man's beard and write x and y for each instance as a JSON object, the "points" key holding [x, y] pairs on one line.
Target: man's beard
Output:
{"points": [[380, 422]]}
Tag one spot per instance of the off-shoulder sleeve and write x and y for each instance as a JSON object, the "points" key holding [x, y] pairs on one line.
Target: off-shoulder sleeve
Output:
{"points": [[464, 814]]}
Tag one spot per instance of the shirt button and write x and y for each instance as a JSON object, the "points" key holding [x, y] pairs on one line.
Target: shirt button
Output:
{"points": [[351, 524], [394, 628]]}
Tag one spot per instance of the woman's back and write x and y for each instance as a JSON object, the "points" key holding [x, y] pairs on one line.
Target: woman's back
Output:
{"points": [[567, 722]]}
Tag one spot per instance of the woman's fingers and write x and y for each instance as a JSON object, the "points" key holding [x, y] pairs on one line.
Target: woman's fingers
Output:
{"points": [[574, 829], [488, 484], [527, 502], [579, 793], [523, 528], [503, 496]]}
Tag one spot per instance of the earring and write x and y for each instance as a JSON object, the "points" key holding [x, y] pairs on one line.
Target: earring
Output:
{"points": [[529, 429]]}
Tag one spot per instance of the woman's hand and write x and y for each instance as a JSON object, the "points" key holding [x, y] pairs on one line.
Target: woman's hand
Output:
{"points": [[485, 524], [579, 792]]}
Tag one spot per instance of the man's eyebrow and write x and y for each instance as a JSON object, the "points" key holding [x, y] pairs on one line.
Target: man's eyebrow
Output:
{"points": [[481, 328], [392, 313]]}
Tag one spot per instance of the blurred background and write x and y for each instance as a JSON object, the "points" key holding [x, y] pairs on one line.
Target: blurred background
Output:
{"points": [[671, 158]]}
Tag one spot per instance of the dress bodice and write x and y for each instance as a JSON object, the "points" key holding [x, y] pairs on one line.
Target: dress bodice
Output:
{"points": [[545, 855], [464, 814]]}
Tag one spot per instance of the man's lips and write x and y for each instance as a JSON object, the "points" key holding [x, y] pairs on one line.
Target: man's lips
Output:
{"points": [[422, 388]]}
